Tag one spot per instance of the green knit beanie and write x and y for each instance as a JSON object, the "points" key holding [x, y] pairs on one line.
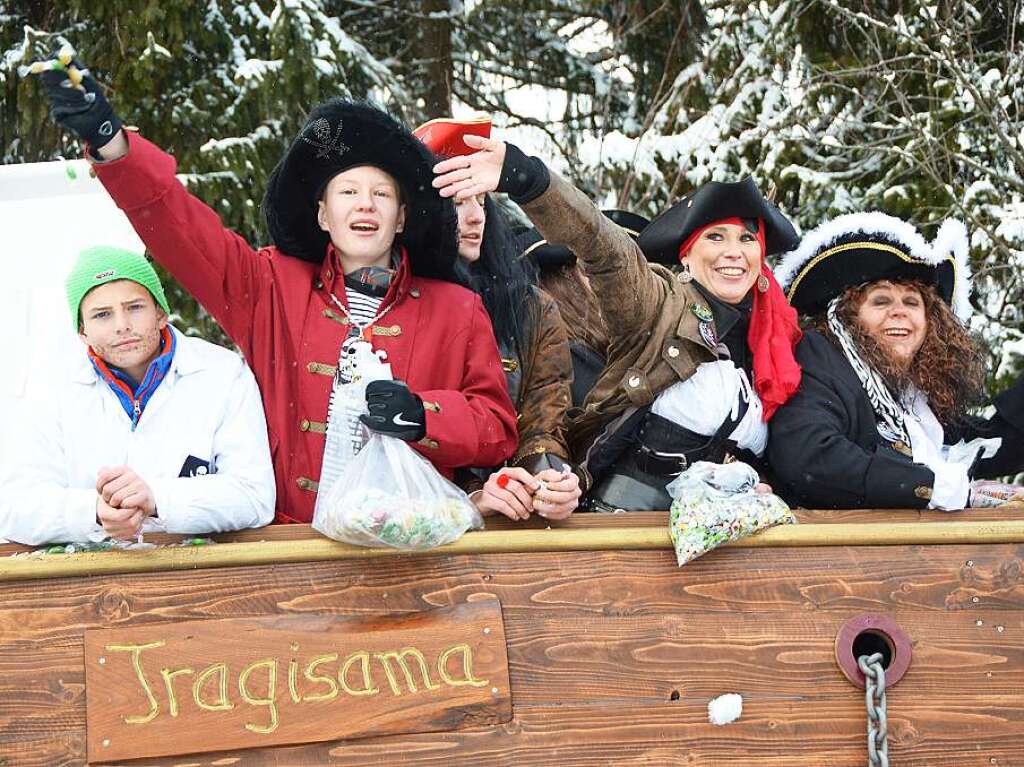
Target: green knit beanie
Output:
{"points": [[102, 264]]}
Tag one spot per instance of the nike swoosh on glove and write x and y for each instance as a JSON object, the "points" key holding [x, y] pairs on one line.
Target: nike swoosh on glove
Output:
{"points": [[395, 411], [83, 108]]}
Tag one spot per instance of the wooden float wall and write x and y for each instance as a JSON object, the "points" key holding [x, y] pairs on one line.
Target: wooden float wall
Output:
{"points": [[613, 655]]}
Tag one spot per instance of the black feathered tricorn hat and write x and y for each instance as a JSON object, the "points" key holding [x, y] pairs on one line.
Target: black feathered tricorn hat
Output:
{"points": [[711, 202], [549, 257], [342, 134]]}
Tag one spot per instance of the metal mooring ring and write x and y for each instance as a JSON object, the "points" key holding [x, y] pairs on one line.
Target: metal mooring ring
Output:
{"points": [[875, 628]]}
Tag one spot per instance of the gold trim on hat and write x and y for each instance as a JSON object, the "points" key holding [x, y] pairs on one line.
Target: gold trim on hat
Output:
{"points": [[866, 245]]}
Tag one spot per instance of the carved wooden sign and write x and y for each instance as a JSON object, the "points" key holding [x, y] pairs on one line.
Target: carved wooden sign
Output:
{"points": [[214, 685]]}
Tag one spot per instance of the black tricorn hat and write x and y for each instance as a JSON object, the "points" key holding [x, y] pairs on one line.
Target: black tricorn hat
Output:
{"points": [[711, 202], [549, 257], [859, 248], [342, 134]]}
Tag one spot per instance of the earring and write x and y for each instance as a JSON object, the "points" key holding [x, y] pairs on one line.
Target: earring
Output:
{"points": [[685, 276], [762, 283]]}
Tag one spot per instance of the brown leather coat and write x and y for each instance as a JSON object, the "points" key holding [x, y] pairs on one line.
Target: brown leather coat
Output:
{"points": [[653, 327], [540, 386]]}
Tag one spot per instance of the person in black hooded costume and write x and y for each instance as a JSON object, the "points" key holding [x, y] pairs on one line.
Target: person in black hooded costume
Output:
{"points": [[363, 258]]}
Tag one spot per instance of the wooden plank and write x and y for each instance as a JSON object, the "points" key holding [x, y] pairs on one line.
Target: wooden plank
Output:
{"points": [[292, 679], [584, 521], [944, 578], [772, 734], [497, 542], [772, 656]]}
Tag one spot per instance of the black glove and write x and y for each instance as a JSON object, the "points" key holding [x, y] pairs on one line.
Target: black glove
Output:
{"points": [[394, 411], [84, 109]]}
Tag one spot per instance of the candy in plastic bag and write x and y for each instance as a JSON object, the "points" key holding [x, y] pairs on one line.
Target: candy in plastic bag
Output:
{"points": [[358, 365], [715, 503], [987, 494], [390, 496]]}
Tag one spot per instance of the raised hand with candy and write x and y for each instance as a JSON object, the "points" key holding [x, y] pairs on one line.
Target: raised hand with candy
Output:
{"points": [[76, 100]]}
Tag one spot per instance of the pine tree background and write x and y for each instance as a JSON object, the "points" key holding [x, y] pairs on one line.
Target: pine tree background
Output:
{"points": [[910, 107]]}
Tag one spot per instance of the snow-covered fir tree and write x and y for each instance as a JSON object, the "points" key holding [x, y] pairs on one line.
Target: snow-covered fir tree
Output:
{"points": [[900, 105]]}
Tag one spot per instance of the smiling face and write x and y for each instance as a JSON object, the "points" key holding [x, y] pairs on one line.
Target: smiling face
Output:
{"points": [[726, 260], [362, 210], [122, 323], [472, 219], [894, 315]]}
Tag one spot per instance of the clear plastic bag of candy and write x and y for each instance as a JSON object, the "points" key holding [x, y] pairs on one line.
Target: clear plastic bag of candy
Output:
{"points": [[715, 503], [390, 496], [987, 494]]}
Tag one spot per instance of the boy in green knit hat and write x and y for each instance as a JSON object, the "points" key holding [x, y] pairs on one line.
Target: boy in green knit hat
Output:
{"points": [[103, 280], [154, 431]]}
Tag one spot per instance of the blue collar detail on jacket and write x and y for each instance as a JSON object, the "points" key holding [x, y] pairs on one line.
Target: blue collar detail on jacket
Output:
{"points": [[135, 396]]}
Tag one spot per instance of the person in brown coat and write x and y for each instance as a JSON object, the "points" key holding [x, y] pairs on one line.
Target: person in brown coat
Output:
{"points": [[534, 347], [696, 363], [561, 276]]}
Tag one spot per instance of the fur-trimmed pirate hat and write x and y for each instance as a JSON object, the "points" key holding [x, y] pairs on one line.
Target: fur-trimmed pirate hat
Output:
{"points": [[714, 201], [858, 248], [444, 135], [549, 257], [340, 135]]}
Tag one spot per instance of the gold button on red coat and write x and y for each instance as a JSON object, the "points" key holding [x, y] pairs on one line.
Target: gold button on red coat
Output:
{"points": [[305, 483]]}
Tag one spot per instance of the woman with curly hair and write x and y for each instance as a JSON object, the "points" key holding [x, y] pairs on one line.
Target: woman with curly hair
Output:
{"points": [[881, 417]]}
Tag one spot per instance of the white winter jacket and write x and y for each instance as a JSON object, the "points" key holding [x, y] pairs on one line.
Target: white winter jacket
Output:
{"points": [[201, 445]]}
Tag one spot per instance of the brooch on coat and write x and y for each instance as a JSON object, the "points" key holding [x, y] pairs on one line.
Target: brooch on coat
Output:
{"points": [[706, 326]]}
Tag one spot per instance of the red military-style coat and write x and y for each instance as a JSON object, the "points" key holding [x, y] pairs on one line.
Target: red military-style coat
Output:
{"points": [[279, 311]]}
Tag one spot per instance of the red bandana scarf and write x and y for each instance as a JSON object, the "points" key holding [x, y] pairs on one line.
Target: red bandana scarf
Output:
{"points": [[774, 331]]}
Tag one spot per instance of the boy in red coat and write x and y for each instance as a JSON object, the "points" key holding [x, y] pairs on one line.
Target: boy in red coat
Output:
{"points": [[364, 250]]}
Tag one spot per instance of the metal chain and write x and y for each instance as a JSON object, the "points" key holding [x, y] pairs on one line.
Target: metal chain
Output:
{"points": [[874, 701], [352, 320]]}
